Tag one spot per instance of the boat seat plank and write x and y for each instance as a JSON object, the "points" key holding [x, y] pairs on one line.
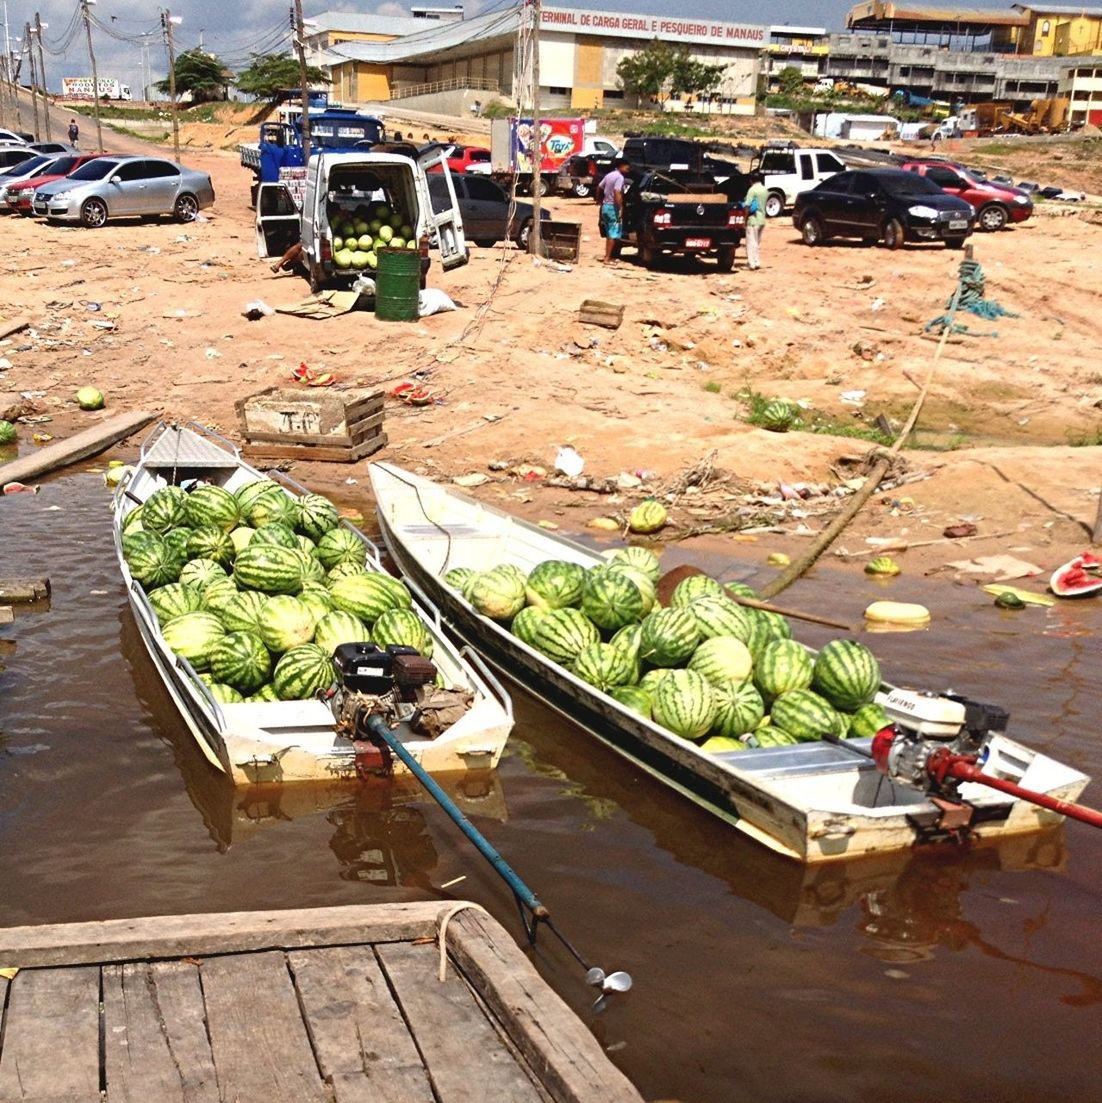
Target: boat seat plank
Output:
{"points": [[257, 1035], [173, 449], [154, 1035], [355, 1026], [51, 1036], [466, 1059], [803, 758]]}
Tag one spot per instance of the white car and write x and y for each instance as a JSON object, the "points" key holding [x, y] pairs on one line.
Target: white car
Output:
{"points": [[789, 171]]}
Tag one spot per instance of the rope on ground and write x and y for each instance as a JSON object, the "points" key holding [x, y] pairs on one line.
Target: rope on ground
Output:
{"points": [[972, 283], [442, 932]]}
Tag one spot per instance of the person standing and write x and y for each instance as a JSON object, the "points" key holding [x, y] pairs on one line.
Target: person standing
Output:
{"points": [[610, 195], [74, 132], [755, 219]]}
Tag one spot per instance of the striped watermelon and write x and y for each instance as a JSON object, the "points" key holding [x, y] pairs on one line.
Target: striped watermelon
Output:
{"points": [[458, 577], [202, 572], [165, 509], [693, 589], [646, 586], [647, 517], [133, 520], [633, 697], [722, 744], [555, 584], [275, 533], [150, 559], [340, 627], [241, 537], [740, 589], [248, 493], [272, 505], [243, 612], [739, 708], [603, 666], [217, 594], [317, 515], [770, 736], [264, 694], [343, 570], [511, 570], [366, 596], [611, 599], [722, 659], [867, 721], [341, 545], [765, 629], [497, 594], [177, 541], [174, 600], [319, 591], [669, 637], [302, 673], [241, 660], [405, 627], [211, 543], [269, 568], [563, 633], [782, 665], [214, 506], [640, 559], [652, 679], [307, 545], [526, 622], [318, 606], [719, 616], [193, 636], [684, 703], [224, 694], [310, 568], [847, 674], [628, 641], [285, 623], [803, 714]]}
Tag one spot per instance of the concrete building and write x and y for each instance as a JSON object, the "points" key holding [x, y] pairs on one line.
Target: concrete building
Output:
{"points": [[1060, 30], [1082, 85], [802, 48], [330, 28]]}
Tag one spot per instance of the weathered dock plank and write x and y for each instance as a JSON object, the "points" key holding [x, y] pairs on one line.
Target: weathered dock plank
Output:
{"points": [[51, 1036]]}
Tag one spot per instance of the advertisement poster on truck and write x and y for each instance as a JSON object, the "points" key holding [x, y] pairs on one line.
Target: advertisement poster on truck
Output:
{"points": [[559, 139]]}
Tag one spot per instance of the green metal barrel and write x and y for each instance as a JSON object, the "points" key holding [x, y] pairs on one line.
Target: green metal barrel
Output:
{"points": [[397, 282]]}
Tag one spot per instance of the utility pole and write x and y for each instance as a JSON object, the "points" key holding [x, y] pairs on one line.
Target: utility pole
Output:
{"points": [[300, 49], [34, 79], [38, 25], [535, 238], [167, 23], [84, 6]]}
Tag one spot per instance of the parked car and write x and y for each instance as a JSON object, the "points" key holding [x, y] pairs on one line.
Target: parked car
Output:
{"points": [[20, 196], [9, 137], [887, 205], [52, 147], [464, 158], [484, 209], [996, 204], [23, 171], [115, 187], [10, 156], [789, 170]]}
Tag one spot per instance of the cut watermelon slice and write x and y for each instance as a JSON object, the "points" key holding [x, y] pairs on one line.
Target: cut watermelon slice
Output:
{"points": [[1079, 577]]}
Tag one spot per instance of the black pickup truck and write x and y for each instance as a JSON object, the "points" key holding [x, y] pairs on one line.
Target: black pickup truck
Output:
{"points": [[681, 212]]}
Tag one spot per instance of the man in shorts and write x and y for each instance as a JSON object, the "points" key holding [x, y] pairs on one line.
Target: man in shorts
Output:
{"points": [[610, 195]]}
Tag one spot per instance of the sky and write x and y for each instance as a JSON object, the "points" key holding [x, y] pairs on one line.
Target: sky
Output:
{"points": [[234, 28]]}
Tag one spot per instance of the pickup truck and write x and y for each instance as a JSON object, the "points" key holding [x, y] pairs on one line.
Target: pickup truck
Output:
{"points": [[645, 154], [680, 211], [790, 170]]}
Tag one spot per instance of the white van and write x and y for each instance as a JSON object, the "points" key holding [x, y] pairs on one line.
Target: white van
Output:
{"points": [[789, 171], [338, 189]]}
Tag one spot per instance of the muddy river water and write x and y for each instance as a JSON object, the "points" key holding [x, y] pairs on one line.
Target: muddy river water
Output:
{"points": [[947, 975]]}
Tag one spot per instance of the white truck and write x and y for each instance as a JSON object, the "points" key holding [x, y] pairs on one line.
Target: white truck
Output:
{"points": [[337, 190], [790, 170], [80, 88]]}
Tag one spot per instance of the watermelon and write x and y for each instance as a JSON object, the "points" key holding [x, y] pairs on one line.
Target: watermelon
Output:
{"points": [[202, 572], [133, 520], [340, 627], [217, 594], [563, 633], [765, 628], [722, 744], [684, 703], [627, 641], [770, 736], [740, 589], [248, 494], [651, 680], [647, 517], [241, 660], [778, 416], [343, 570], [177, 541], [269, 568], [526, 622], [165, 509], [1078, 577], [193, 636], [272, 505], [243, 612], [458, 577], [241, 537], [611, 599], [511, 570], [497, 594], [174, 600], [302, 672], [7, 432], [642, 581], [318, 607], [883, 566], [555, 584], [405, 627], [224, 694], [319, 591], [341, 545], [633, 697], [603, 666], [867, 721], [739, 708], [693, 588], [310, 568], [722, 659], [150, 559], [275, 533], [847, 674], [307, 545], [366, 596], [211, 543], [285, 623], [803, 714], [782, 665], [214, 506], [317, 516], [669, 637], [640, 559], [264, 694], [719, 616]]}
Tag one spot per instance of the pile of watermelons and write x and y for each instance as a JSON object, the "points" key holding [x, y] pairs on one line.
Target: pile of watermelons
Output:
{"points": [[713, 671], [256, 588]]}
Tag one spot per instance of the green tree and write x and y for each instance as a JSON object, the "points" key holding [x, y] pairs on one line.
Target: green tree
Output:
{"points": [[201, 74], [694, 77], [269, 74], [790, 80], [647, 72]]}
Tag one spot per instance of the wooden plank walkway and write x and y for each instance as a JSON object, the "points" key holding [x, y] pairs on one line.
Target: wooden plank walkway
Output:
{"points": [[326, 1005]]}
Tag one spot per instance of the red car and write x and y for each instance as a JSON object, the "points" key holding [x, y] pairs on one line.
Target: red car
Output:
{"points": [[463, 158], [995, 204], [21, 196]]}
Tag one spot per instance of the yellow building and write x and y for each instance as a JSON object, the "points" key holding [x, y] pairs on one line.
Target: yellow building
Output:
{"points": [[1061, 30]]}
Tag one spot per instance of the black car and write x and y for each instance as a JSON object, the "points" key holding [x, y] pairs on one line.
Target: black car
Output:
{"points": [[886, 205], [484, 208]]}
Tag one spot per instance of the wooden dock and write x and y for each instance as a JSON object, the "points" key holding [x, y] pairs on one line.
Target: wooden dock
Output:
{"points": [[327, 1005]]}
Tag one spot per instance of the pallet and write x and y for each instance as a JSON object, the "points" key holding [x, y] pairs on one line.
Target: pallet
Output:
{"points": [[560, 241]]}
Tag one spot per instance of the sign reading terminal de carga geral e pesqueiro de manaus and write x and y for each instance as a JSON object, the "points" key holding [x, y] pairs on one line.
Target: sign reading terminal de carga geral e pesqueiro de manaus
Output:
{"points": [[670, 28]]}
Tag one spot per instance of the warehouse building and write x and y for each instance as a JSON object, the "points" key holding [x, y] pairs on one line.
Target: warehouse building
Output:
{"points": [[1082, 85]]}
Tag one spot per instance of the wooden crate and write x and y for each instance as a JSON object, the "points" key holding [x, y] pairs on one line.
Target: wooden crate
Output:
{"points": [[334, 426], [594, 312], [561, 240]]}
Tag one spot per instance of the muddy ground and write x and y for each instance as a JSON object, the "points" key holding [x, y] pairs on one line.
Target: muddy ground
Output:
{"points": [[1007, 441]]}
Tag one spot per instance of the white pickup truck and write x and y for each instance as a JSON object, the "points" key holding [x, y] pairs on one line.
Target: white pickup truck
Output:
{"points": [[790, 170]]}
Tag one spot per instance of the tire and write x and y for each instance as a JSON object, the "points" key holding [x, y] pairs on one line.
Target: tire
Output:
{"points": [[186, 208], [581, 191], [992, 218], [485, 243], [774, 205], [93, 213], [541, 187], [868, 242], [811, 230], [317, 279], [894, 235], [725, 258], [954, 243], [524, 236]]}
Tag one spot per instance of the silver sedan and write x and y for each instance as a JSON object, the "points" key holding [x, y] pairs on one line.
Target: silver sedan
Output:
{"points": [[121, 187]]}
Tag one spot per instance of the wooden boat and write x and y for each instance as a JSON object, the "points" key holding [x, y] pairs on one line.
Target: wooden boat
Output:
{"points": [[289, 741], [813, 802]]}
